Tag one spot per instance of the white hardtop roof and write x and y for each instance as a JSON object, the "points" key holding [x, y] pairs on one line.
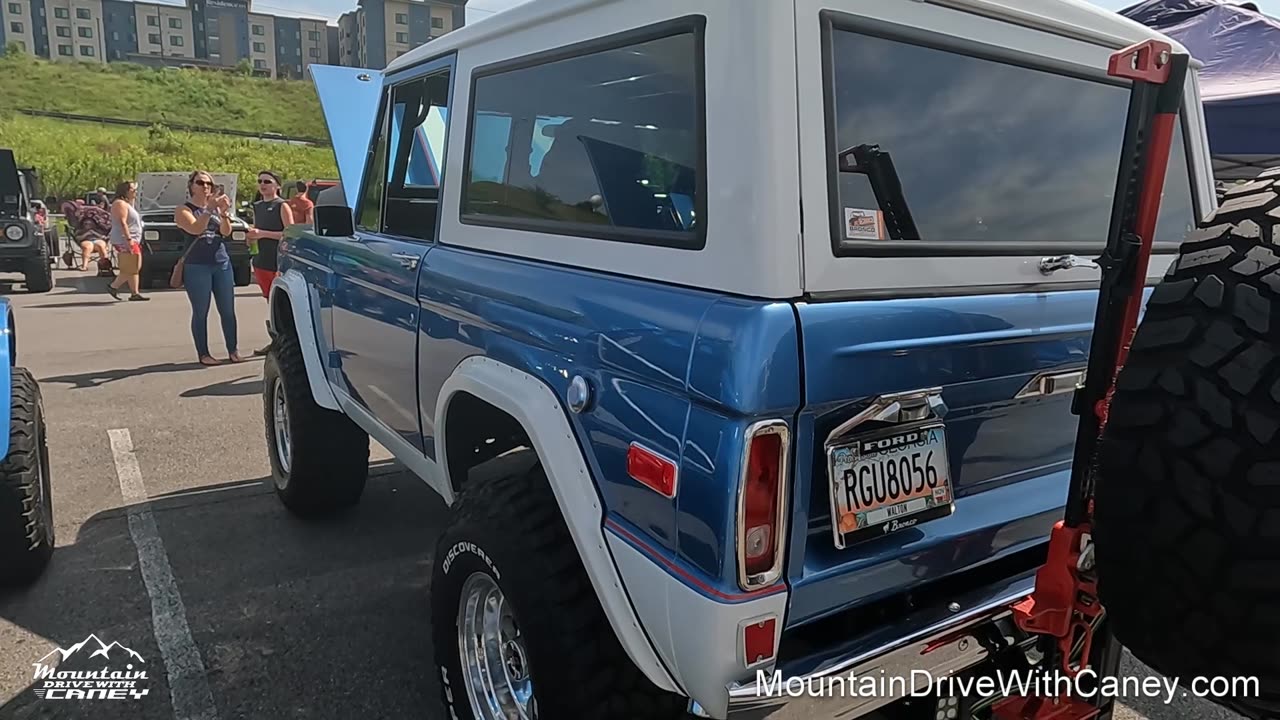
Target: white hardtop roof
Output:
{"points": [[1076, 18]]}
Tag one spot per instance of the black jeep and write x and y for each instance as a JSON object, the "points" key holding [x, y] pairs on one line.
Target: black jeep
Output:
{"points": [[26, 246]]}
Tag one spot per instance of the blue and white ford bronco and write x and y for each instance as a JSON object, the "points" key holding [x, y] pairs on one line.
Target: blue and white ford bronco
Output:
{"points": [[616, 279]]}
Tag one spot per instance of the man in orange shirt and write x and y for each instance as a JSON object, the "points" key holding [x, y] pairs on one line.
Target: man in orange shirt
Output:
{"points": [[301, 205]]}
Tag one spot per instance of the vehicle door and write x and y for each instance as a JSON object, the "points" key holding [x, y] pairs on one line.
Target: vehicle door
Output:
{"points": [[351, 100], [375, 307]]}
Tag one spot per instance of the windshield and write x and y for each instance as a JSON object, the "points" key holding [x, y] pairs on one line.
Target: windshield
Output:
{"points": [[986, 151]]}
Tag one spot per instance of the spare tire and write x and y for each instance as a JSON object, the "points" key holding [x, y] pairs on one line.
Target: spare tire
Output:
{"points": [[1187, 509]]}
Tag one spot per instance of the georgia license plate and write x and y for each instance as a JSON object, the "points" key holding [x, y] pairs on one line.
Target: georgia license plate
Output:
{"points": [[889, 480]]}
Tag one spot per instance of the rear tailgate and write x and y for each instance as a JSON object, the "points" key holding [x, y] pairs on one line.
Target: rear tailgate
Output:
{"points": [[1006, 140], [1007, 440]]}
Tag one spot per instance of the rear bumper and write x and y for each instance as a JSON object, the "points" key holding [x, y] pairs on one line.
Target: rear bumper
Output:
{"points": [[936, 644]]}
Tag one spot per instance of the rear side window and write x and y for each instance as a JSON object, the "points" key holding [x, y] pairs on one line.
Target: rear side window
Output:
{"points": [[602, 140], [993, 156]]}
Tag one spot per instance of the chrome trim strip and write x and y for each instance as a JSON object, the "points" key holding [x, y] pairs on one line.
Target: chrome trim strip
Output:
{"points": [[770, 576], [943, 648]]}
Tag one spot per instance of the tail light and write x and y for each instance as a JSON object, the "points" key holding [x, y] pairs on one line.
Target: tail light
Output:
{"points": [[761, 504]]}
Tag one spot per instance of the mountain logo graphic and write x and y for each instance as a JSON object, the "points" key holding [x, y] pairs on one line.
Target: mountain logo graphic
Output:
{"points": [[95, 648]]}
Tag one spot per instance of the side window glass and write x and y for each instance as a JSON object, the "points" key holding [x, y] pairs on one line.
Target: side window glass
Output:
{"points": [[610, 142], [419, 123], [369, 217]]}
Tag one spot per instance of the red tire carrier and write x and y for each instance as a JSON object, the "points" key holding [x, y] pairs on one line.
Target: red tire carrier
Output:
{"points": [[1064, 608]]}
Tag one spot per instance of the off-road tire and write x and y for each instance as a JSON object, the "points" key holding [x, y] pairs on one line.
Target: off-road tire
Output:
{"points": [[243, 274], [26, 506], [38, 274], [329, 458], [1187, 513], [507, 525]]}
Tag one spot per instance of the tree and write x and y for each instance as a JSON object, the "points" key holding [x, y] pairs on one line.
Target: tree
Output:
{"points": [[13, 50], [244, 67]]}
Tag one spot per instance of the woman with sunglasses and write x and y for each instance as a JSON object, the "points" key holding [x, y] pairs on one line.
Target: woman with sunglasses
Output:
{"points": [[271, 214], [206, 221]]}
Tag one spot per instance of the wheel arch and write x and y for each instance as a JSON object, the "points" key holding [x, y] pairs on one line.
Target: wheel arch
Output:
{"points": [[480, 384], [290, 312]]}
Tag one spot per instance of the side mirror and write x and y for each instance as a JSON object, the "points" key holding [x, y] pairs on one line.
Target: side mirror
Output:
{"points": [[334, 221]]}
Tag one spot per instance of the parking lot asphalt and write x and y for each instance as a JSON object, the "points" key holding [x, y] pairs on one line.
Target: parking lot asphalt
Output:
{"points": [[169, 535]]}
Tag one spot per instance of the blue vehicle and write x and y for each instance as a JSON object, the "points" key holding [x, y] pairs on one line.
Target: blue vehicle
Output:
{"points": [[710, 426], [26, 503]]}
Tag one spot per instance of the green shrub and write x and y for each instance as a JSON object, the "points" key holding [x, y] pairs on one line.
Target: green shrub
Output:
{"points": [[75, 157]]}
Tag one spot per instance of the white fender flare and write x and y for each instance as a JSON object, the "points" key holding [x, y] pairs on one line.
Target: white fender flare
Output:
{"points": [[293, 285], [533, 404]]}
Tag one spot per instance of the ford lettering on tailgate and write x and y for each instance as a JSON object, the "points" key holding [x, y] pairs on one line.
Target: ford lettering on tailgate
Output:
{"points": [[889, 480]]}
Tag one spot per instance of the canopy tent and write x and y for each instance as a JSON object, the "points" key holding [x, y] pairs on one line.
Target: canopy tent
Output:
{"points": [[1240, 80]]}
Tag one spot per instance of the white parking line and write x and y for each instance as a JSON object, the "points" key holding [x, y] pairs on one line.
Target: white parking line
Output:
{"points": [[188, 684]]}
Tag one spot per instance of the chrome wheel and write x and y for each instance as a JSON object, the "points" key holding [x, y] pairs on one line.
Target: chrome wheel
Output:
{"points": [[495, 666], [280, 423]]}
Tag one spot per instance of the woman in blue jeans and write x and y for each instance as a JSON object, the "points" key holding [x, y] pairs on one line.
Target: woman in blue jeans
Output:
{"points": [[206, 222]]}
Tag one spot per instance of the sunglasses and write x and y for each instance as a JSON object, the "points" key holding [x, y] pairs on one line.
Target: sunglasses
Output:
{"points": [[203, 183], [266, 181]]}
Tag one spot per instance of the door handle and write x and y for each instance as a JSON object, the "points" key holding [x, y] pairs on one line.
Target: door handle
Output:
{"points": [[409, 261]]}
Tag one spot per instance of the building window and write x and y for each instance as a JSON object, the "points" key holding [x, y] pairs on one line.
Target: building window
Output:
{"points": [[402, 19], [84, 32], [86, 50], [153, 21], [259, 47], [175, 40], [65, 50], [15, 27], [315, 52], [259, 30], [15, 9], [437, 23], [402, 37], [62, 31], [115, 36], [175, 23], [60, 13], [83, 14], [153, 38], [314, 35], [260, 64], [632, 177]]}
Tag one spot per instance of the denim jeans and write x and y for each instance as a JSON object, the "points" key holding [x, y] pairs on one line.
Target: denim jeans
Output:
{"points": [[203, 282]]}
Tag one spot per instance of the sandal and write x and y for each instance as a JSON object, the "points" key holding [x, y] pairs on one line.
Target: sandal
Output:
{"points": [[210, 361], [235, 357]]}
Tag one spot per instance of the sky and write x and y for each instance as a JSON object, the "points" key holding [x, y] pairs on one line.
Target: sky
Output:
{"points": [[480, 9]]}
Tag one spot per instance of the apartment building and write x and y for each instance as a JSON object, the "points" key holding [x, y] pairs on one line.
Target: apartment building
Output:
{"points": [[379, 31], [214, 33]]}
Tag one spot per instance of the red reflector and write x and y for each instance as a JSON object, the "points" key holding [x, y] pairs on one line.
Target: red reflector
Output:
{"points": [[652, 470], [757, 641], [760, 502]]}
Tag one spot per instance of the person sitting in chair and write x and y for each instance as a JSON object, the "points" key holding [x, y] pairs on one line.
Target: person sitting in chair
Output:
{"points": [[91, 226]]}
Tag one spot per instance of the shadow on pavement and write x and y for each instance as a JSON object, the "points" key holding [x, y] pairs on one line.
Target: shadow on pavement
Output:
{"points": [[101, 303], [292, 618], [247, 385], [98, 378]]}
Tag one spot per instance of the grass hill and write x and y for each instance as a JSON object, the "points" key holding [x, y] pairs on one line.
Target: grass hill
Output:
{"points": [[75, 157], [203, 98]]}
